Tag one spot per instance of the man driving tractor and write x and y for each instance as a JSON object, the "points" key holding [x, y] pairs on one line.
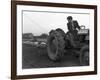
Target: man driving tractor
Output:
{"points": [[73, 41], [73, 28]]}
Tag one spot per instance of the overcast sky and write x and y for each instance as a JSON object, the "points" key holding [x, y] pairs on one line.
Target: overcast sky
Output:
{"points": [[42, 22]]}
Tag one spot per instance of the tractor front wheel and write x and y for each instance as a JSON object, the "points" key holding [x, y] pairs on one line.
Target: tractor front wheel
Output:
{"points": [[84, 55]]}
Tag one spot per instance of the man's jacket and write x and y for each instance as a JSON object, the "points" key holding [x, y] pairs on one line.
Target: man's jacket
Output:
{"points": [[73, 25]]}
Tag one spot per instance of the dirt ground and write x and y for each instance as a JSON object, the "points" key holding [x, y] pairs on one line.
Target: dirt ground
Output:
{"points": [[33, 57]]}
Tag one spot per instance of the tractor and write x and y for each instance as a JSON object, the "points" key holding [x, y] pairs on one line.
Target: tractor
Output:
{"points": [[59, 42]]}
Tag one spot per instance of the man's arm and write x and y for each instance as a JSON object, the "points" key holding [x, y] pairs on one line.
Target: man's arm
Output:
{"points": [[77, 25]]}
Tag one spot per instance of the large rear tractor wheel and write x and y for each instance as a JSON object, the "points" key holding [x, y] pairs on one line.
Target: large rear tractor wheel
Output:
{"points": [[55, 45], [84, 55]]}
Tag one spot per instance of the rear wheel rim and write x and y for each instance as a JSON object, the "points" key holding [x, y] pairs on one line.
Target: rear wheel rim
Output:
{"points": [[53, 49], [53, 46]]}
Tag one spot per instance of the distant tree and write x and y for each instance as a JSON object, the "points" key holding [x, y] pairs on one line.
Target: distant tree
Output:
{"points": [[44, 35], [28, 36]]}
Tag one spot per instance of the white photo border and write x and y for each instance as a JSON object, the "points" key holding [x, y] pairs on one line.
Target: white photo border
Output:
{"points": [[21, 71]]}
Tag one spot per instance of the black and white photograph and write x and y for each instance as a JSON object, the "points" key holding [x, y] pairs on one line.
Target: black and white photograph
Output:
{"points": [[54, 39]]}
